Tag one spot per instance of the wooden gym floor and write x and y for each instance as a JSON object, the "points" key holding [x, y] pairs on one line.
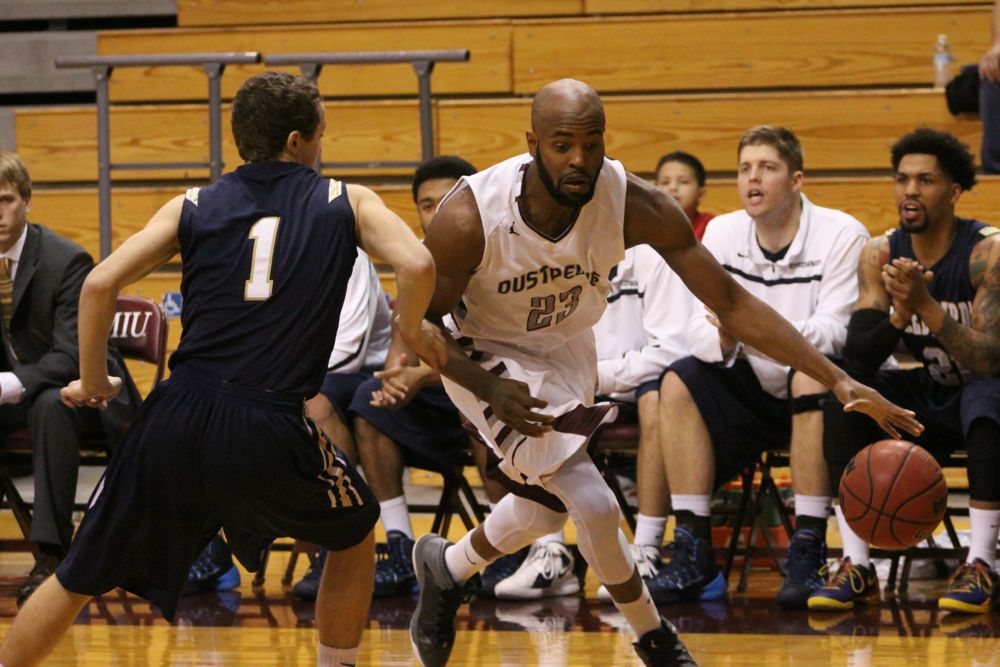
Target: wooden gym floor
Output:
{"points": [[270, 627]]}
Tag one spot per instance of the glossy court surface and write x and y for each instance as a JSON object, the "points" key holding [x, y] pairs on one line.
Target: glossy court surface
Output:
{"points": [[270, 627]]}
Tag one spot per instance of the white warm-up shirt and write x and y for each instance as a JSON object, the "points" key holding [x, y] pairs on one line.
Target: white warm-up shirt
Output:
{"points": [[644, 329], [814, 286]]}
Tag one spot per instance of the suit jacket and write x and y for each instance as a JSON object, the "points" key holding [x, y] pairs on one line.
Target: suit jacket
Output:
{"points": [[43, 327]]}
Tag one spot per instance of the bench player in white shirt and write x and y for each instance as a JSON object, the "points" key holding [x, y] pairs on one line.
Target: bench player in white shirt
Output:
{"points": [[523, 251]]}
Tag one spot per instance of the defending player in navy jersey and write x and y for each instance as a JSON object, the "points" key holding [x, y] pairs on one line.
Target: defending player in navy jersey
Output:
{"points": [[267, 252], [523, 251], [934, 283]]}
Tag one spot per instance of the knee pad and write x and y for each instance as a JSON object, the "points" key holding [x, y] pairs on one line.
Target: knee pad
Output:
{"points": [[808, 403]]}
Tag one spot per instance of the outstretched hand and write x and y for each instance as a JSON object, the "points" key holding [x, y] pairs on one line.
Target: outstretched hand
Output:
{"points": [[857, 397], [75, 395], [512, 404]]}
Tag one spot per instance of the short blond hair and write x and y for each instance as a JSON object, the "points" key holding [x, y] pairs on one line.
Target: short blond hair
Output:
{"points": [[13, 172]]}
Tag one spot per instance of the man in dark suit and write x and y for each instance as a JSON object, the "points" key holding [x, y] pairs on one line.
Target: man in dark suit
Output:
{"points": [[41, 275]]}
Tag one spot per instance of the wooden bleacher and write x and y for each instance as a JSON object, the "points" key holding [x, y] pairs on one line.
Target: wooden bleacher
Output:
{"points": [[760, 50], [191, 13], [839, 130]]}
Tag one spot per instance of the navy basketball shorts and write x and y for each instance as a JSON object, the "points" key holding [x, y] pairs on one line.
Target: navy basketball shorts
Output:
{"points": [[339, 389], [742, 419], [428, 430], [946, 412], [202, 455]]}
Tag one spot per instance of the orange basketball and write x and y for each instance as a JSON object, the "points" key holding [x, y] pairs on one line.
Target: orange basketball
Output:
{"points": [[893, 494]]}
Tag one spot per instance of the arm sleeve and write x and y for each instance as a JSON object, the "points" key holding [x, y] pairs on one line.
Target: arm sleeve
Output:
{"points": [[60, 364], [871, 338], [666, 307], [826, 328]]}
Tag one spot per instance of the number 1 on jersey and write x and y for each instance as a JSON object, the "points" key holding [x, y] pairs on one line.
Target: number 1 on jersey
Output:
{"points": [[263, 233]]}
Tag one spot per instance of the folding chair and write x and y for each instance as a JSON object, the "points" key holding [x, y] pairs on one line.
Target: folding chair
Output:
{"points": [[140, 332]]}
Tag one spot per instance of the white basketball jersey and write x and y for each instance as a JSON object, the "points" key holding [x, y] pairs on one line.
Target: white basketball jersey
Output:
{"points": [[532, 293]]}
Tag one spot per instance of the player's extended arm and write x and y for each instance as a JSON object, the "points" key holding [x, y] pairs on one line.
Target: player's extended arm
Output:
{"points": [[977, 347], [142, 253], [652, 217], [383, 234], [455, 240]]}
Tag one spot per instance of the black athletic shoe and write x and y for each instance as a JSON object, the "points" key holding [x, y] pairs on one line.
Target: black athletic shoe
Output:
{"points": [[213, 569], [499, 570], [805, 569], [394, 573], [663, 648], [307, 588], [432, 628]]}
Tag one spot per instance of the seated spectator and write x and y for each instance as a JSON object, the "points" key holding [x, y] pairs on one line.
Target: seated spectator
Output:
{"points": [[682, 176], [642, 332], [932, 283], [41, 274], [721, 407], [989, 98]]}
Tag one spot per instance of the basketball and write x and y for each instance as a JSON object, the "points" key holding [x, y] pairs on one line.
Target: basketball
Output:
{"points": [[893, 494]]}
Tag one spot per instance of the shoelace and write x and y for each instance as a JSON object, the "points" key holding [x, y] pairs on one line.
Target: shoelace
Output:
{"points": [[645, 563], [848, 572], [971, 576], [548, 561], [443, 606]]}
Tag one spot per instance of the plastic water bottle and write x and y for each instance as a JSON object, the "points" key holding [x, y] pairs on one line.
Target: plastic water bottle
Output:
{"points": [[942, 62]]}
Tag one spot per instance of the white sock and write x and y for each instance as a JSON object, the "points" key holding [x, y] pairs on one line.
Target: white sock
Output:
{"points": [[855, 548], [641, 614], [396, 516], [492, 505], [558, 536], [985, 524], [462, 560], [817, 506], [699, 505], [649, 530], [337, 657]]}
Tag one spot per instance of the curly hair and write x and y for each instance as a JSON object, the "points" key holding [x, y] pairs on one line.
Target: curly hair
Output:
{"points": [[267, 108], [952, 155]]}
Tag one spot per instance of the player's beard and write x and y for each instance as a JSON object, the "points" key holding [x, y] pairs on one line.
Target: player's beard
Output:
{"points": [[917, 226], [563, 198]]}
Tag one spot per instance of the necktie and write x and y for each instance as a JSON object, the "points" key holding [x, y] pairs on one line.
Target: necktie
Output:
{"points": [[6, 292]]}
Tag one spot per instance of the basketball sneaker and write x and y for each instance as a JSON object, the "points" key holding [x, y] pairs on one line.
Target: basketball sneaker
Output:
{"points": [[972, 589], [690, 575], [213, 569], [499, 570], [307, 588], [432, 628], [852, 584], [663, 648], [394, 573], [647, 560], [547, 571], [805, 569]]}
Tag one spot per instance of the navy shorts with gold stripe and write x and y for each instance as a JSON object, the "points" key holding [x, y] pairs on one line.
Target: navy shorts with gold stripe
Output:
{"points": [[200, 455]]}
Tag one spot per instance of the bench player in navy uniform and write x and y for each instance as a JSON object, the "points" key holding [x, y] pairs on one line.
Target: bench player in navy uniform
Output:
{"points": [[267, 252], [934, 283]]}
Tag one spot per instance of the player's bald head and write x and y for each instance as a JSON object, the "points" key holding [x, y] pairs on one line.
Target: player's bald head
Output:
{"points": [[566, 100]]}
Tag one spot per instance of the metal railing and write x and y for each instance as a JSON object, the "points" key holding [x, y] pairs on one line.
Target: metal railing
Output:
{"points": [[103, 67], [311, 64]]}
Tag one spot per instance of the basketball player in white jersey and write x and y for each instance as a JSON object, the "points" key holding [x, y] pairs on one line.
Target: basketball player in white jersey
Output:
{"points": [[523, 251]]}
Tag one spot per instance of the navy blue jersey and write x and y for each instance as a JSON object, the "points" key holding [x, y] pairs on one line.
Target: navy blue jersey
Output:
{"points": [[952, 288], [267, 252]]}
